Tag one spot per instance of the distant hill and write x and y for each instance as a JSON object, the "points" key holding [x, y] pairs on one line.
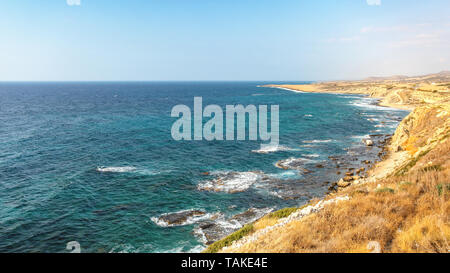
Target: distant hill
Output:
{"points": [[442, 76]]}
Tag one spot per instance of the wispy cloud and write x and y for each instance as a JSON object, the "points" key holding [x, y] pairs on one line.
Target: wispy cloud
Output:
{"points": [[73, 2], [373, 2], [425, 39], [384, 29], [344, 39]]}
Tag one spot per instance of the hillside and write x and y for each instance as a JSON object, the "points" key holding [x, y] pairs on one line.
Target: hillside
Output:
{"points": [[403, 205]]}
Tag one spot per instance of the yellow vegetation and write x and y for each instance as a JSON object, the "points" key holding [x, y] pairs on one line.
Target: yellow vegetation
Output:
{"points": [[408, 209], [411, 217]]}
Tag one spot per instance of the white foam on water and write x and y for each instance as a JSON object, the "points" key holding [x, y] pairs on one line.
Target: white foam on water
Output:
{"points": [[361, 137], [276, 194], [307, 146], [311, 155], [368, 104], [293, 163], [318, 141], [230, 182], [115, 169], [288, 89], [189, 220], [181, 249], [351, 97], [273, 149], [129, 248], [285, 175], [129, 169]]}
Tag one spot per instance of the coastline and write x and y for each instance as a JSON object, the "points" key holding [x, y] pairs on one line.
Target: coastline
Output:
{"points": [[381, 101], [395, 159]]}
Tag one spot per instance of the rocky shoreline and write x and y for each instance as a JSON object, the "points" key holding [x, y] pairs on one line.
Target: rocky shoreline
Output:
{"points": [[395, 153], [352, 176]]}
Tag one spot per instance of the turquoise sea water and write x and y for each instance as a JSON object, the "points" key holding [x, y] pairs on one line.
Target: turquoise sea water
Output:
{"points": [[95, 162]]}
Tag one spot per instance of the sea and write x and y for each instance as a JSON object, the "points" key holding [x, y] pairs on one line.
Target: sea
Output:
{"points": [[95, 163]]}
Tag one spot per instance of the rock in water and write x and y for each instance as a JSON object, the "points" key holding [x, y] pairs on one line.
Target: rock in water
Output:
{"points": [[348, 178], [368, 142], [343, 184], [179, 218]]}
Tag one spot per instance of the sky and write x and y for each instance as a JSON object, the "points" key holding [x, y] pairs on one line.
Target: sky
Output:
{"points": [[188, 40]]}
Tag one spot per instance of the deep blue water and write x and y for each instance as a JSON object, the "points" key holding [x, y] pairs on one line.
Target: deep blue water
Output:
{"points": [[95, 162]]}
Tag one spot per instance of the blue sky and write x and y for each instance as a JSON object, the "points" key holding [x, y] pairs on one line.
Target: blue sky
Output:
{"points": [[272, 40]]}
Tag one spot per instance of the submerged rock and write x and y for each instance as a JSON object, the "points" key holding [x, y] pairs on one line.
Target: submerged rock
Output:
{"points": [[230, 182], [368, 142], [293, 164], [213, 230], [179, 218]]}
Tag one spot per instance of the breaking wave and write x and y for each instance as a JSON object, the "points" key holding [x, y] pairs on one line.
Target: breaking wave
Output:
{"points": [[116, 169], [182, 218], [273, 149], [230, 182]]}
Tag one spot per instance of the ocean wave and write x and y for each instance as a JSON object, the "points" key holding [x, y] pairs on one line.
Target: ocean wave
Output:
{"points": [[311, 155], [288, 89], [182, 218], [230, 182], [361, 137], [285, 175], [369, 104], [130, 169], [273, 149], [350, 97], [318, 141], [307, 146], [294, 163], [115, 169], [129, 248], [211, 231], [182, 249]]}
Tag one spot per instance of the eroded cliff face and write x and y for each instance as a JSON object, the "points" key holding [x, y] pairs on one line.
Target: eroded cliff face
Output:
{"points": [[421, 131], [404, 207], [404, 203]]}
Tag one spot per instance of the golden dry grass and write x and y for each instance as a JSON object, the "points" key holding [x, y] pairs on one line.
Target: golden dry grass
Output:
{"points": [[409, 213]]}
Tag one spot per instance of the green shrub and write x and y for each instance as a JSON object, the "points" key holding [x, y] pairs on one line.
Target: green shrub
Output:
{"points": [[227, 241], [411, 164], [443, 188], [432, 168], [282, 213], [385, 190]]}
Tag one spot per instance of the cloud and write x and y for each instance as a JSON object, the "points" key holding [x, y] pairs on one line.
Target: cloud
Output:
{"points": [[373, 2], [385, 29], [73, 2], [344, 39]]}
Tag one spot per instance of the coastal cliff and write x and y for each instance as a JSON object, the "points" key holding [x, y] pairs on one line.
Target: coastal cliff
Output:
{"points": [[402, 205]]}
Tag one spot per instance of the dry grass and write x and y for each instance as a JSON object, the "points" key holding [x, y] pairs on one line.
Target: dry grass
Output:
{"points": [[409, 213]]}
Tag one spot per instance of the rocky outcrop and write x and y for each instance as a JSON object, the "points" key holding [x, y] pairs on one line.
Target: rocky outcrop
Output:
{"points": [[414, 135]]}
